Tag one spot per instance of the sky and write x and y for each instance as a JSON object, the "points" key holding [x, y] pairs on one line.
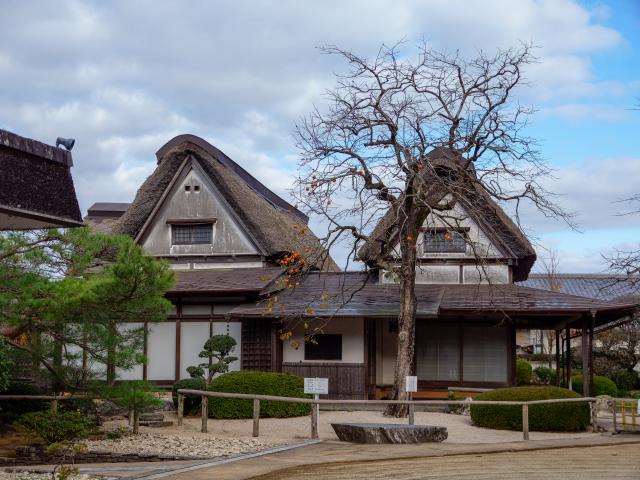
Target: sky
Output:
{"points": [[123, 78]]}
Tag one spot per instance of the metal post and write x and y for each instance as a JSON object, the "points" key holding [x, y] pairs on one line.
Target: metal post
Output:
{"points": [[314, 417], [525, 421], [205, 413], [256, 417], [180, 409]]}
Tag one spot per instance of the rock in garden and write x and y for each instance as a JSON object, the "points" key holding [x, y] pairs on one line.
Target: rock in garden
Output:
{"points": [[389, 433]]}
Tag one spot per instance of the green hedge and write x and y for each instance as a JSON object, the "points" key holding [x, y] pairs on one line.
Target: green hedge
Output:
{"points": [[523, 372], [54, 427], [601, 386], [561, 417], [191, 403], [260, 383]]}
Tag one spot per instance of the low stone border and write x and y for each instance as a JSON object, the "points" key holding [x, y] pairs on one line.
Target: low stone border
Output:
{"points": [[38, 455]]}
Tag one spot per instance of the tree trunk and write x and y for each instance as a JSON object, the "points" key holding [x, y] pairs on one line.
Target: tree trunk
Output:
{"points": [[136, 420], [406, 318]]}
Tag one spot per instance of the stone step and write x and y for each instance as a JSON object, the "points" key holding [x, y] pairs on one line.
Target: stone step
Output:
{"points": [[156, 424], [152, 417]]}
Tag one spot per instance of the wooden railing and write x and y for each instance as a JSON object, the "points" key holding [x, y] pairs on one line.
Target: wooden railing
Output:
{"points": [[625, 407], [315, 410]]}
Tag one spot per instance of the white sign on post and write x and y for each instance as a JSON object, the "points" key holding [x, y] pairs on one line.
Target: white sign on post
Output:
{"points": [[411, 383], [316, 386]]}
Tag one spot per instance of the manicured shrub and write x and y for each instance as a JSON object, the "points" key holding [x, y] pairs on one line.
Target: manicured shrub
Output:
{"points": [[523, 372], [542, 375], [625, 380], [191, 403], [260, 383], [54, 427], [14, 408], [560, 417], [601, 386]]}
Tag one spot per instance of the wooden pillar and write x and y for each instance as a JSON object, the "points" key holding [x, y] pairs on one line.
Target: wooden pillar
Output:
{"points": [[180, 409], [205, 413], [558, 358], [567, 359], [525, 421], [145, 350], [586, 356], [256, 417], [592, 321], [176, 374]]}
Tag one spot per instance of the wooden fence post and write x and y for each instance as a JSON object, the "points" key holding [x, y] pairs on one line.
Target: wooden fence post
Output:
{"points": [[54, 406], [525, 421], [412, 418], [205, 413], [314, 417], [180, 409], [256, 417], [594, 416], [615, 415]]}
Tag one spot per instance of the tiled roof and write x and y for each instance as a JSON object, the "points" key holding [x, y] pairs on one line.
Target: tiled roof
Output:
{"points": [[606, 287], [354, 294], [223, 280]]}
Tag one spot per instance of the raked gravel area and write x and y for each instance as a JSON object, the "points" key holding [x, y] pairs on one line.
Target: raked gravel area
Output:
{"points": [[196, 446]]}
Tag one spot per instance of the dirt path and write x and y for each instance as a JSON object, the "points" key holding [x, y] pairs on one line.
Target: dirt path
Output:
{"points": [[593, 463]]}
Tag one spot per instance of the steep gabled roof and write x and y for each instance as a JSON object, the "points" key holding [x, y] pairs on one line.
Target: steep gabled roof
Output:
{"points": [[478, 205], [275, 225], [37, 189]]}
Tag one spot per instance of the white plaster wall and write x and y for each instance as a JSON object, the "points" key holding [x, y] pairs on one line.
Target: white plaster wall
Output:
{"points": [[486, 274], [192, 338], [228, 235], [197, 309], [161, 351], [352, 330]]}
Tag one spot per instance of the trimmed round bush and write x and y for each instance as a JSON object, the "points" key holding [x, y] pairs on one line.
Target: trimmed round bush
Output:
{"points": [[14, 408], [561, 417], [523, 372], [56, 426], [259, 383], [601, 386], [542, 375], [191, 403]]}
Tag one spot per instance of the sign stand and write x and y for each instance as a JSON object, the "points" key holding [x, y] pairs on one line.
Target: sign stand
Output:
{"points": [[316, 386], [411, 385]]}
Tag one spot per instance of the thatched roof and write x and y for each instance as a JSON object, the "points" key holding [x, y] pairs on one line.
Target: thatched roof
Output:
{"points": [[477, 203], [277, 227], [36, 190]]}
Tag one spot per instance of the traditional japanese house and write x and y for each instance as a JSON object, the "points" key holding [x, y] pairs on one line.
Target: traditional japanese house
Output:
{"points": [[36, 188], [224, 234]]}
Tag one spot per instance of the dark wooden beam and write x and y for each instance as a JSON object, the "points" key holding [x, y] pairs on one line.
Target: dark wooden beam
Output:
{"points": [[557, 358], [586, 357], [567, 358]]}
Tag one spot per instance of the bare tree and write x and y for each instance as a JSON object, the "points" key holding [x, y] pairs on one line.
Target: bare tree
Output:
{"points": [[627, 262], [404, 138]]}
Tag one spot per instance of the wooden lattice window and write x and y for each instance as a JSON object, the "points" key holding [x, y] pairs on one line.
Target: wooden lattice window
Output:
{"points": [[444, 241], [191, 234]]}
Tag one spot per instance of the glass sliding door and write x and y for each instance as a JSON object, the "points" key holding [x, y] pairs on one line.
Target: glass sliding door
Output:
{"points": [[483, 350], [485, 354], [438, 352]]}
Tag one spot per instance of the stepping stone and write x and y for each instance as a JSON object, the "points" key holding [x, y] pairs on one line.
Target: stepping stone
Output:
{"points": [[389, 433], [151, 417], [155, 423]]}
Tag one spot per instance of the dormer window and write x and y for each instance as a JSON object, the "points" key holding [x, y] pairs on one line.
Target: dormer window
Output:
{"points": [[444, 241], [191, 233]]}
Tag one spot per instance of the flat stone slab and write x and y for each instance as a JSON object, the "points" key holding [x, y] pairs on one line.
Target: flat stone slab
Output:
{"points": [[389, 433]]}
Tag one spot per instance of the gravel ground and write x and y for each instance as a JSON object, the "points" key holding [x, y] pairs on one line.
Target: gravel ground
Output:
{"points": [[291, 430], [39, 476], [199, 446]]}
